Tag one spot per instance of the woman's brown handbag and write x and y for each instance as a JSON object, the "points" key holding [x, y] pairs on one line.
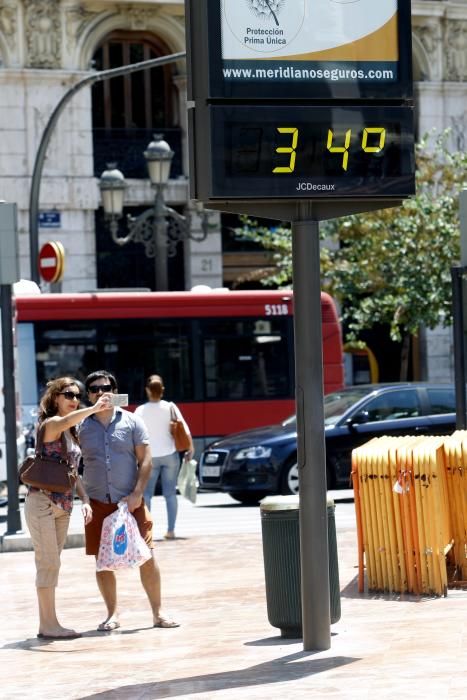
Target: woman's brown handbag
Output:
{"points": [[47, 473], [181, 438]]}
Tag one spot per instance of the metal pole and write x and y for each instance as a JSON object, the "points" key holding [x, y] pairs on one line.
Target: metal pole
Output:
{"points": [[14, 515], [463, 225], [457, 276], [47, 135], [314, 555], [160, 232]]}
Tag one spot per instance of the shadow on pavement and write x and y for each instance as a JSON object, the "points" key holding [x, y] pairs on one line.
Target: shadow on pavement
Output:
{"points": [[277, 671], [351, 591], [33, 643], [222, 506], [272, 641]]}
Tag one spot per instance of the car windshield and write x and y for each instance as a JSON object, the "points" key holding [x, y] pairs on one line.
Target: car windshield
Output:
{"points": [[336, 404]]}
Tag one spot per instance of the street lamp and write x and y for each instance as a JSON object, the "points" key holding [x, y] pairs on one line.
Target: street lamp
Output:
{"points": [[151, 228]]}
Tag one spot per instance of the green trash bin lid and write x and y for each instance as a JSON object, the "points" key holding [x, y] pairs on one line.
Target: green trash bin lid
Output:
{"points": [[274, 503], [279, 503]]}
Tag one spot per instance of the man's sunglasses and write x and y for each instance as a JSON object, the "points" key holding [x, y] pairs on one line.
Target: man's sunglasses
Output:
{"points": [[96, 388], [70, 395]]}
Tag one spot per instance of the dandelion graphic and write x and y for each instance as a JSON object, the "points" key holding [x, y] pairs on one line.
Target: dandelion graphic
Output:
{"points": [[266, 8]]}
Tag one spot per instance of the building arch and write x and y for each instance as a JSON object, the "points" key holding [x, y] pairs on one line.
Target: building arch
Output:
{"points": [[167, 29], [145, 99]]}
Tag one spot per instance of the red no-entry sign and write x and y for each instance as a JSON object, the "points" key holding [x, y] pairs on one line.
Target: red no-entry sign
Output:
{"points": [[51, 261]]}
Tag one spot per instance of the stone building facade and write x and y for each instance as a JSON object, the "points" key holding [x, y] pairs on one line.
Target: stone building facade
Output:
{"points": [[46, 46]]}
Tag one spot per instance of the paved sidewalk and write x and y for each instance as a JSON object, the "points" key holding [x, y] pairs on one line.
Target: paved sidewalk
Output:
{"points": [[191, 519], [383, 646]]}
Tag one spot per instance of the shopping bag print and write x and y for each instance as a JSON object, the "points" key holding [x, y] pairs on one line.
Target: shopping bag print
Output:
{"points": [[122, 546], [187, 482], [120, 542]]}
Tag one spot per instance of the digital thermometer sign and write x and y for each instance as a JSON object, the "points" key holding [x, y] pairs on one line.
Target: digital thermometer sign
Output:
{"points": [[311, 151], [300, 100]]}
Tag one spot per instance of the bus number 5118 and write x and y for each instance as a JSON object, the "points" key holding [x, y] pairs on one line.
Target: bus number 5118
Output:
{"points": [[276, 309]]}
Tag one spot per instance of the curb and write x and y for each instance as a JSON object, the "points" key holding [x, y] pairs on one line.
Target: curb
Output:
{"points": [[23, 543]]}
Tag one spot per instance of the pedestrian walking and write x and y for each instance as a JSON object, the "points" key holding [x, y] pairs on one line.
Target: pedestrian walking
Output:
{"points": [[48, 513], [117, 464], [157, 415]]}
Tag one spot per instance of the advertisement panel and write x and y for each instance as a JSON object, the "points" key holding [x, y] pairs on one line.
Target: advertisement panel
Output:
{"points": [[310, 48]]}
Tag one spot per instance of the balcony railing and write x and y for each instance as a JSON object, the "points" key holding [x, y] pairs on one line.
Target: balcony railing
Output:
{"points": [[126, 148]]}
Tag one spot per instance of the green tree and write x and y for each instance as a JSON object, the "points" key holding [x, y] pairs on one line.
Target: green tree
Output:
{"points": [[390, 266]]}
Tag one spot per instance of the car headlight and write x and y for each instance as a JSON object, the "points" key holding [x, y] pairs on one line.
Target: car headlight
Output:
{"points": [[256, 452]]}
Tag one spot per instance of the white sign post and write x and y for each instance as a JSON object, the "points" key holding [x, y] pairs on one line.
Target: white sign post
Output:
{"points": [[9, 273]]}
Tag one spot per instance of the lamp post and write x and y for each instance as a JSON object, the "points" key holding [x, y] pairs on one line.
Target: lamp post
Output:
{"points": [[47, 135], [151, 228]]}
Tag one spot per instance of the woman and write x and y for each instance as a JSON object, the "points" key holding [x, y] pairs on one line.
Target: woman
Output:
{"points": [[165, 458], [48, 513]]}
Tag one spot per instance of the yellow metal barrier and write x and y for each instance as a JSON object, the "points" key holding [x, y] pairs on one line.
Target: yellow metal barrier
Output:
{"points": [[455, 449], [411, 508]]}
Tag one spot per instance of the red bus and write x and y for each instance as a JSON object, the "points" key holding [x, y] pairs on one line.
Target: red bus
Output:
{"points": [[226, 356]]}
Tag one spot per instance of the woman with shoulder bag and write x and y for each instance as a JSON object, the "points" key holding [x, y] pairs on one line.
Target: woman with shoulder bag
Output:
{"points": [[48, 513], [159, 417]]}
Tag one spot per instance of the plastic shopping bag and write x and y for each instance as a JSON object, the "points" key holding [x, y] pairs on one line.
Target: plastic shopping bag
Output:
{"points": [[121, 546], [186, 482]]}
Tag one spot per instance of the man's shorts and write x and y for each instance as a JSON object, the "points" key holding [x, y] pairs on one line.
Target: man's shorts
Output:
{"points": [[101, 510]]}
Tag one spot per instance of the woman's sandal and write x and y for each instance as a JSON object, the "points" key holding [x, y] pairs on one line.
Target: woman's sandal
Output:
{"points": [[109, 626], [165, 623]]}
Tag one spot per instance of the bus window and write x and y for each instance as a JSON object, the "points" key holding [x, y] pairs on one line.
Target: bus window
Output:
{"points": [[131, 350], [241, 364], [154, 346]]}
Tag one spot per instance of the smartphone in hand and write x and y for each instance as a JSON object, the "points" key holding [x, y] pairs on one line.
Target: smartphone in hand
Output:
{"points": [[119, 399]]}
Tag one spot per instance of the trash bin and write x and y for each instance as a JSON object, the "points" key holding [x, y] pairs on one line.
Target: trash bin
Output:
{"points": [[281, 552]]}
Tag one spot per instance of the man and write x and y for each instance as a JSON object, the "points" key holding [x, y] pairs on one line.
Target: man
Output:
{"points": [[117, 464]]}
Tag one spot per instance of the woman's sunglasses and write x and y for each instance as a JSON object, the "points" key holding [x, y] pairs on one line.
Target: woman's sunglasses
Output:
{"points": [[70, 395], [95, 389]]}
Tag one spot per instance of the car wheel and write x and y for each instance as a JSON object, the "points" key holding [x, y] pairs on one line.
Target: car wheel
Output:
{"points": [[289, 479], [248, 498]]}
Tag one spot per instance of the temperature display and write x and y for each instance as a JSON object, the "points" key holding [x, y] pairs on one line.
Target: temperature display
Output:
{"points": [[312, 151]]}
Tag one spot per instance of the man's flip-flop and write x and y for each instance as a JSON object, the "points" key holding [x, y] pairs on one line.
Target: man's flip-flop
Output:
{"points": [[63, 637], [108, 626], [166, 624]]}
